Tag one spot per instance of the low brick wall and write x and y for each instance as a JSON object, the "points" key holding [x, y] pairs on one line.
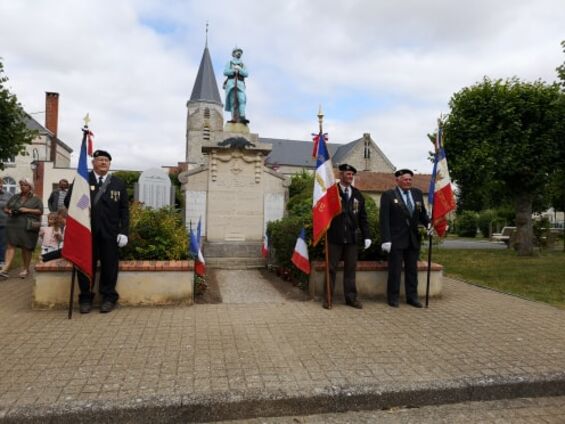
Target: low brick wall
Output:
{"points": [[139, 283], [371, 279]]}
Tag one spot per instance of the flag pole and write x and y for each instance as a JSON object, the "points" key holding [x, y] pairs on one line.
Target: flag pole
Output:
{"points": [[432, 187], [329, 294], [71, 299]]}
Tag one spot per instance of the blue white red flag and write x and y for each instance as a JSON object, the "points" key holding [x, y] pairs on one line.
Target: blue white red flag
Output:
{"points": [[196, 251], [77, 246], [300, 256], [440, 196], [265, 246], [326, 202]]}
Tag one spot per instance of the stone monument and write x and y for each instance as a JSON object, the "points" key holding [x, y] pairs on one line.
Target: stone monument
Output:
{"points": [[230, 190]]}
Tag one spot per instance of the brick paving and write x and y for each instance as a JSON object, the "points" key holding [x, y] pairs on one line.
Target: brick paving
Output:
{"points": [[471, 338]]}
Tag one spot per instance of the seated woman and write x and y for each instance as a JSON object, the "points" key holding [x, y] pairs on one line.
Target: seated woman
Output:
{"points": [[24, 212]]}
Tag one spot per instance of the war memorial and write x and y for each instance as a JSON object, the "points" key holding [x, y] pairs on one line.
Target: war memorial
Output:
{"points": [[269, 350]]}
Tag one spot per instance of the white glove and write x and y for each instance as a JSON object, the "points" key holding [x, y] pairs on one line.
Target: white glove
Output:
{"points": [[122, 240], [367, 243], [237, 68], [385, 247], [430, 230]]}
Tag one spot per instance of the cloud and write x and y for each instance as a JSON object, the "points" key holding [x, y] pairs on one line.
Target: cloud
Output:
{"points": [[388, 68]]}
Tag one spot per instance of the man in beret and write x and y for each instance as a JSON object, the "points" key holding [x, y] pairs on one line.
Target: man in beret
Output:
{"points": [[402, 209], [109, 220], [342, 237]]}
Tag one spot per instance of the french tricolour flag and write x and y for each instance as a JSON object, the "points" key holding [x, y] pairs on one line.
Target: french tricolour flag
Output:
{"points": [[265, 246], [196, 251], [77, 246], [440, 195], [326, 202], [300, 256]]}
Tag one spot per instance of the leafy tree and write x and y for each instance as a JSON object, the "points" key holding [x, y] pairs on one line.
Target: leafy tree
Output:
{"points": [[14, 135], [504, 140], [561, 69]]}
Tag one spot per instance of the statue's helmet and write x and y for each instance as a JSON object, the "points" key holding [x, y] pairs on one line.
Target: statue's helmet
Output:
{"points": [[236, 49]]}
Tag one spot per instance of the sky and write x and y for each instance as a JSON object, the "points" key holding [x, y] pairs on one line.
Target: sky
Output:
{"points": [[388, 68]]}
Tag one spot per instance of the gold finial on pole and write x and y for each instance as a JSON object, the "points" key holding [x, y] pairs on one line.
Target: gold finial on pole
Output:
{"points": [[321, 118], [86, 120]]}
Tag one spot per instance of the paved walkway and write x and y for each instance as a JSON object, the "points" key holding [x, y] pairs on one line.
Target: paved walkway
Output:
{"points": [[472, 244], [237, 360], [247, 286]]}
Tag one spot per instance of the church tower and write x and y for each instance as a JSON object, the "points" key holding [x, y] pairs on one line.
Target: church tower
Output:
{"points": [[205, 116]]}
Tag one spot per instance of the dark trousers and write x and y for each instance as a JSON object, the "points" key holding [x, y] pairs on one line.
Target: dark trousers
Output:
{"points": [[347, 252], [107, 251], [2, 243], [395, 259]]}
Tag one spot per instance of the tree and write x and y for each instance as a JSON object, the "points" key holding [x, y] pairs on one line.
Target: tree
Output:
{"points": [[504, 140], [14, 135], [561, 69]]}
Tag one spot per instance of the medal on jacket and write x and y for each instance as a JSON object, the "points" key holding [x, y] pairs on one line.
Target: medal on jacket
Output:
{"points": [[115, 195]]}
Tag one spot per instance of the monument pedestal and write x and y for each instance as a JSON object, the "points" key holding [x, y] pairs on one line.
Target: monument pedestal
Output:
{"points": [[236, 128]]}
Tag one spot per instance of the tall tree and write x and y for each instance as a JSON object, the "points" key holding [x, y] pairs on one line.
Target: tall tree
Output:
{"points": [[504, 139], [561, 68], [14, 135]]}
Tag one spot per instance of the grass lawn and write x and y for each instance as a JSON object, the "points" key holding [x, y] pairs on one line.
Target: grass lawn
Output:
{"points": [[541, 277]]}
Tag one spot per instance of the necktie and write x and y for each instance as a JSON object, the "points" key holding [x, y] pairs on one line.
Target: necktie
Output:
{"points": [[347, 193], [409, 204], [100, 181]]}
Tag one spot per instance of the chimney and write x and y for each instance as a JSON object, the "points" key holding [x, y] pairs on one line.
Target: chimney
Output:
{"points": [[52, 120]]}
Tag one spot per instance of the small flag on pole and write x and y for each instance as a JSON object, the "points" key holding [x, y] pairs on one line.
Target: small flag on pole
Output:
{"points": [[300, 256], [77, 246], [326, 200], [196, 251], [265, 247], [440, 196]]}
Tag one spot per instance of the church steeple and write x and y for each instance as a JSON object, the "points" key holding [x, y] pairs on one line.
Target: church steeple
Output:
{"points": [[205, 87], [205, 114]]}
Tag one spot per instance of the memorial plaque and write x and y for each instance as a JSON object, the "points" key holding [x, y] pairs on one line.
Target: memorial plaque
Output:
{"points": [[274, 207], [196, 209], [154, 188]]}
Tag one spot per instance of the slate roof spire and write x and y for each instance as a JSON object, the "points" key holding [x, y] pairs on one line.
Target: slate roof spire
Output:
{"points": [[205, 87]]}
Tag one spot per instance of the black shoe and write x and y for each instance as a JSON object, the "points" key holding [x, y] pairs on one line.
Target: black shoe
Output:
{"points": [[106, 307], [85, 308], [415, 303], [355, 304], [393, 304], [326, 305]]}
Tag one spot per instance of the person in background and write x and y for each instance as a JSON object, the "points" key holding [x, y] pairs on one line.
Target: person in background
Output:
{"points": [[51, 236], [4, 197], [56, 200], [22, 228]]}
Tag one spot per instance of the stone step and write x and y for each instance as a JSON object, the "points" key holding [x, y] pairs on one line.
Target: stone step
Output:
{"points": [[232, 249], [235, 263]]}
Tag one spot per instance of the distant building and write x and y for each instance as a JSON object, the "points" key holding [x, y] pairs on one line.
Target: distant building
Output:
{"points": [[47, 159]]}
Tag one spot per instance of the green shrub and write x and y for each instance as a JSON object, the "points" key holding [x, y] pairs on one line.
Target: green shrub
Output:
{"points": [[156, 234], [466, 224]]}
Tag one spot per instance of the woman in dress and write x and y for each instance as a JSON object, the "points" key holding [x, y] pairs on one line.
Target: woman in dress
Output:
{"points": [[24, 212]]}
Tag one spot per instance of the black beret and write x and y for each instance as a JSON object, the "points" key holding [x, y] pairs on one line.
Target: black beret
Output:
{"points": [[402, 172], [346, 167], [101, 153]]}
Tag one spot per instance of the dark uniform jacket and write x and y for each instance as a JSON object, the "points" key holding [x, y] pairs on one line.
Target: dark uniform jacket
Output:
{"points": [[110, 215], [353, 217], [396, 223]]}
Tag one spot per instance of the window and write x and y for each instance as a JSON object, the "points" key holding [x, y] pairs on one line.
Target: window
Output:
{"points": [[207, 113], [10, 185], [206, 133]]}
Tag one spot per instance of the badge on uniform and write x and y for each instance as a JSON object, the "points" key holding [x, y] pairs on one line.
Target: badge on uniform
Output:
{"points": [[396, 201], [92, 188], [418, 206], [355, 205], [115, 195]]}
